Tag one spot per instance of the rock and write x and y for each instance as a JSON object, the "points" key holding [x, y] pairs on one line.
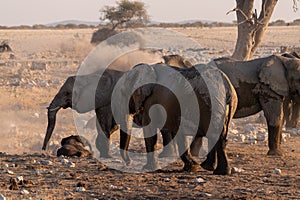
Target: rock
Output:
{"points": [[276, 171], [199, 180], [23, 191], [80, 189], [19, 178], [204, 194], [262, 136], [71, 164], [236, 170], [64, 161], [46, 162], [241, 138], [2, 197], [166, 180], [9, 172]]}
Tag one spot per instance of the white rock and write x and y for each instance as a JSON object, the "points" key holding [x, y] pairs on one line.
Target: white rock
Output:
{"points": [[38, 172], [37, 115], [113, 187], [234, 131], [9, 172], [64, 161], [71, 164], [2, 197], [241, 138], [23, 191], [236, 170], [80, 189], [262, 136], [166, 180], [199, 180], [276, 171], [19, 178]]}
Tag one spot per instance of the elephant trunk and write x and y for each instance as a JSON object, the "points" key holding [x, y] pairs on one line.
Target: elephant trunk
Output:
{"points": [[52, 110]]}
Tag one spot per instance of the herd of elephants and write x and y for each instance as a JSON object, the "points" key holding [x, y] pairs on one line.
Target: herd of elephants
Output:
{"points": [[270, 84]]}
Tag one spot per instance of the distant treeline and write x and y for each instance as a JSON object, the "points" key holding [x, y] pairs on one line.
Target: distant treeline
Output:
{"points": [[165, 25]]}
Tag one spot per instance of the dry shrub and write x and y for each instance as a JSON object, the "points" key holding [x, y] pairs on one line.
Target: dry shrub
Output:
{"points": [[102, 34]]}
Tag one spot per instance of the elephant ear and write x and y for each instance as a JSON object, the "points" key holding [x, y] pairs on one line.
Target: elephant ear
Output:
{"points": [[292, 66], [273, 74], [140, 86], [133, 88]]}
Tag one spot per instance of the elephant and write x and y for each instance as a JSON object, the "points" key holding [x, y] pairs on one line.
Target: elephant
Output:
{"points": [[74, 146], [144, 97], [83, 93], [105, 122], [264, 84]]}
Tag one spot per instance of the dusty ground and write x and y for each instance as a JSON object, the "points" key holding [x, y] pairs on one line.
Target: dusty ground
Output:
{"points": [[26, 91]]}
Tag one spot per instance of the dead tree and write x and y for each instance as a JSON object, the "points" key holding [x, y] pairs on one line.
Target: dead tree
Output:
{"points": [[251, 27]]}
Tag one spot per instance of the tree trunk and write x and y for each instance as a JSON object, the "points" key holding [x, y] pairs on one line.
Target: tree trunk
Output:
{"points": [[250, 28]]}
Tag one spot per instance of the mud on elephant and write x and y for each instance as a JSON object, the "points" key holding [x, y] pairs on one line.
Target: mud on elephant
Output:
{"points": [[172, 118]]}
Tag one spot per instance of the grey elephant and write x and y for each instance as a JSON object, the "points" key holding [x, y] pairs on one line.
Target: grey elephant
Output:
{"points": [[84, 101], [181, 89], [263, 84]]}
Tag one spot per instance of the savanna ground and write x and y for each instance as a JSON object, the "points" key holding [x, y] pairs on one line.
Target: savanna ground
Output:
{"points": [[31, 76]]}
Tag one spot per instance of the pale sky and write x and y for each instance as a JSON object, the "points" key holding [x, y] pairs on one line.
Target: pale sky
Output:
{"points": [[30, 12]]}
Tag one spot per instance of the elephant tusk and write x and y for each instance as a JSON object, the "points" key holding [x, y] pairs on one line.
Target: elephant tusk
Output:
{"points": [[53, 109]]}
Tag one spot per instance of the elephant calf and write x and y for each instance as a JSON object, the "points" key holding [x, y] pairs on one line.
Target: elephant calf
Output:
{"points": [[213, 105], [74, 146]]}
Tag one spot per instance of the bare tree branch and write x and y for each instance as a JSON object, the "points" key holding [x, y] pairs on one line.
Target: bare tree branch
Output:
{"points": [[295, 5]]}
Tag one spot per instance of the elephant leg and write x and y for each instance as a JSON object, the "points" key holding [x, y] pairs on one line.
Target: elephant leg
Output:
{"points": [[169, 149], [196, 146], [273, 111], [190, 165], [223, 167], [150, 138], [124, 144], [102, 142], [295, 115], [105, 125], [210, 161], [287, 112]]}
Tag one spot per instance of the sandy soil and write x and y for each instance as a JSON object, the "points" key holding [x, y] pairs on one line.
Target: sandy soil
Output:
{"points": [[32, 75]]}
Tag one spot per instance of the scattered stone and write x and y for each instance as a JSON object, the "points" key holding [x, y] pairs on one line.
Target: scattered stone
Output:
{"points": [[166, 180], [19, 178], [80, 189], [241, 138], [64, 161], [71, 164], [199, 180], [113, 186], [204, 194], [276, 171], [9, 172], [46, 162], [23, 191], [236, 170]]}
